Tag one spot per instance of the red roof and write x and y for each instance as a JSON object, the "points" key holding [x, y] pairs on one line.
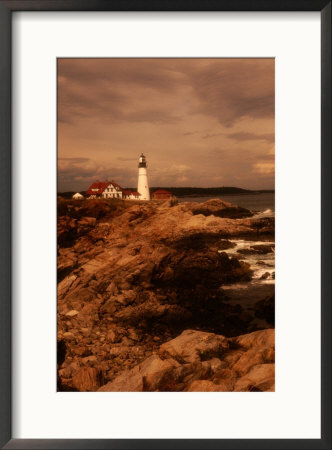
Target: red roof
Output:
{"points": [[162, 191], [97, 187], [129, 192], [116, 185]]}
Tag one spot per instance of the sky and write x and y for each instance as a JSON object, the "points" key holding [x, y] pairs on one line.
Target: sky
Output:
{"points": [[199, 122]]}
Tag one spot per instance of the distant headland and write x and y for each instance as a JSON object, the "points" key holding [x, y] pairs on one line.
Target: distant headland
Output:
{"points": [[211, 191], [195, 191]]}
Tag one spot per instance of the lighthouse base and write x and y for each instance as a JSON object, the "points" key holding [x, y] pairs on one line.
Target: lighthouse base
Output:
{"points": [[142, 185]]}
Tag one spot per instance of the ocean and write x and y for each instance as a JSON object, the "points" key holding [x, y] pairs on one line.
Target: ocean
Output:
{"points": [[262, 203]]}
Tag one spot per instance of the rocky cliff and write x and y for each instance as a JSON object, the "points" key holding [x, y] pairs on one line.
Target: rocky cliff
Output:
{"points": [[140, 298]]}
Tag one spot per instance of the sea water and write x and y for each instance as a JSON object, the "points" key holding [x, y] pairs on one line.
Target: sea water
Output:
{"points": [[260, 264], [261, 286]]}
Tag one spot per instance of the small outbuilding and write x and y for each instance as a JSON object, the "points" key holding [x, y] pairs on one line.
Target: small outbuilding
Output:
{"points": [[78, 196], [127, 194], [161, 194]]}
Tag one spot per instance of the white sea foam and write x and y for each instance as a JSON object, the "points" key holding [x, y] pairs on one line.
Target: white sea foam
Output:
{"points": [[263, 214], [259, 263]]}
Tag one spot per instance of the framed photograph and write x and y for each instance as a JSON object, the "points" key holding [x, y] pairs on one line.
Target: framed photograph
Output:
{"points": [[165, 236]]}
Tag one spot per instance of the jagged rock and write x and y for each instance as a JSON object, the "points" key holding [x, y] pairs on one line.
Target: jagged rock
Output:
{"points": [[221, 208], [65, 284], [68, 335], [262, 338], [245, 363], [206, 386], [129, 381], [265, 276], [251, 358], [263, 248], [88, 379], [132, 277], [112, 336], [154, 370], [260, 377], [72, 313], [193, 346], [87, 222], [207, 268]]}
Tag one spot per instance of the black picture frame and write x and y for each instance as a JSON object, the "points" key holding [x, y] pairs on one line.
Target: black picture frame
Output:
{"points": [[7, 7]]}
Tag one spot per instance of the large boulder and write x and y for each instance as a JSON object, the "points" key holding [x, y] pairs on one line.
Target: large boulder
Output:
{"points": [[154, 370], [260, 249], [261, 338], [146, 376], [260, 378], [221, 208], [193, 346], [207, 386], [88, 379], [128, 381], [208, 268]]}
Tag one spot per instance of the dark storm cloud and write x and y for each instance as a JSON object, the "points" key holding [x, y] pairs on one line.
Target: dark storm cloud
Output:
{"points": [[190, 133], [111, 89], [211, 135], [82, 173], [242, 136], [108, 88], [235, 89]]}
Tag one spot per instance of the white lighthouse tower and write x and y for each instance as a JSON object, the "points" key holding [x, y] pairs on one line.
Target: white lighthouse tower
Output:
{"points": [[143, 185]]}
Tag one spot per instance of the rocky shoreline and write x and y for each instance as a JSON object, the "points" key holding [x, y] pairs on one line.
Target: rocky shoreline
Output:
{"points": [[142, 304]]}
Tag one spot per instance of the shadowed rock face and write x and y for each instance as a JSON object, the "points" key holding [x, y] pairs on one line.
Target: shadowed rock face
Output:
{"points": [[200, 241], [209, 269], [133, 277], [265, 309], [257, 250]]}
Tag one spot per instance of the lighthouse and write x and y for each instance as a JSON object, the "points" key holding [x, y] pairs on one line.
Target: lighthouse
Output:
{"points": [[143, 185]]}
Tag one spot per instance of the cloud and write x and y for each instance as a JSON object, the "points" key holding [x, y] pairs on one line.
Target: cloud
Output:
{"points": [[118, 90], [235, 88], [175, 174], [85, 171], [265, 168], [140, 90], [120, 158], [208, 136], [245, 136], [190, 133]]}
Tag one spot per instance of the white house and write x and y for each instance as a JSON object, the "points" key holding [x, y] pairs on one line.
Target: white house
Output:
{"points": [[105, 189], [78, 196], [113, 190]]}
